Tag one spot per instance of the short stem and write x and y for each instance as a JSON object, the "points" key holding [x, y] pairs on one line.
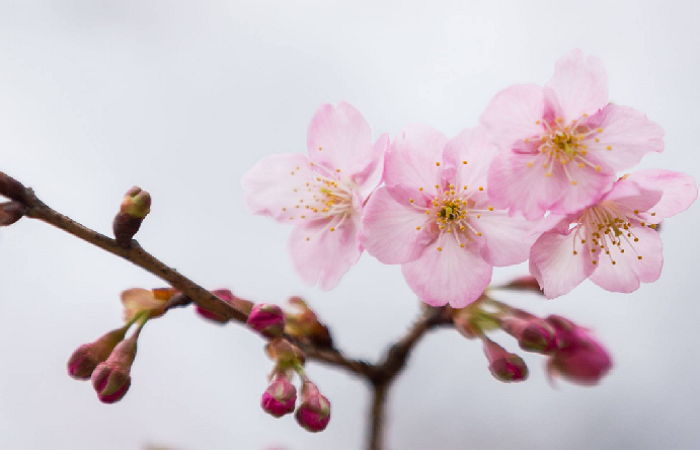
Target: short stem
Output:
{"points": [[375, 438]]}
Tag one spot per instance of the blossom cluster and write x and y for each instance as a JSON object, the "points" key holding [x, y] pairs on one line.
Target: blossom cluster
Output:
{"points": [[538, 178]]}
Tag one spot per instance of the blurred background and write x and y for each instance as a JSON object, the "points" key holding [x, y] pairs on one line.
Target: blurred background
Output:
{"points": [[182, 98]]}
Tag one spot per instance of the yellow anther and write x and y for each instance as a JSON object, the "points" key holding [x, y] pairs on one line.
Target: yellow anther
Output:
{"points": [[481, 188], [599, 130], [332, 228], [609, 147], [437, 163], [598, 168], [461, 245], [530, 164], [419, 228], [639, 257], [410, 200], [465, 162], [573, 182], [439, 249]]}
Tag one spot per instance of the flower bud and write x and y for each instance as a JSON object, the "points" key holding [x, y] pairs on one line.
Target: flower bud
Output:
{"points": [[314, 413], [111, 379], [579, 357], [153, 301], [504, 366], [226, 295], [11, 212], [134, 208], [280, 397], [84, 360], [267, 319], [286, 354], [533, 334], [304, 324]]}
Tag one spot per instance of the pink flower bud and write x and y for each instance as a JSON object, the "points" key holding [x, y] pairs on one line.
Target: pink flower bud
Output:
{"points": [[267, 319], [111, 379], [504, 366], [239, 304], [86, 357], [579, 357], [314, 413], [280, 397], [533, 334]]}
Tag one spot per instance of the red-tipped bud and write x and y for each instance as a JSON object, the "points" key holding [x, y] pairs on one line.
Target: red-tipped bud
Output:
{"points": [[111, 379], [11, 212], [267, 319], [314, 413], [239, 304], [84, 360], [134, 208], [280, 397], [504, 366], [579, 357], [533, 334]]}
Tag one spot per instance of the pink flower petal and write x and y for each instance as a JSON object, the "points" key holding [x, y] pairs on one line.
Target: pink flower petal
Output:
{"points": [[323, 256], [394, 233], [275, 184], [679, 190], [413, 163], [368, 179], [468, 157], [454, 275], [629, 196], [518, 181], [590, 185], [629, 270], [553, 262], [508, 238], [514, 113], [625, 136], [340, 138], [579, 84]]}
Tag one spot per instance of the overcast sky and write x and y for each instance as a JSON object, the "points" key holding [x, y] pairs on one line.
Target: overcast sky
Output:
{"points": [[182, 98]]}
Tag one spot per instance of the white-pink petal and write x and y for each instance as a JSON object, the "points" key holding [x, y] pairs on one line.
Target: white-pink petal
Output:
{"points": [[340, 138], [322, 256], [583, 186], [679, 190], [507, 238], [625, 136], [579, 84], [468, 157], [413, 163], [452, 275], [629, 269], [276, 184], [555, 266], [515, 113], [394, 233]]}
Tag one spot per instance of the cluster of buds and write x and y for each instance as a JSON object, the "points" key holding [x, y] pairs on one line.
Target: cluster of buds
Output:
{"points": [[571, 350], [107, 361], [280, 397]]}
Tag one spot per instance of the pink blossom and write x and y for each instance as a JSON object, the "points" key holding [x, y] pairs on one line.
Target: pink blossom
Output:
{"points": [[561, 144], [614, 242], [322, 192], [434, 217]]}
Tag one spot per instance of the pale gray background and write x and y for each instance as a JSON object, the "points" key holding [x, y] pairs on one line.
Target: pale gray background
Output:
{"points": [[183, 97]]}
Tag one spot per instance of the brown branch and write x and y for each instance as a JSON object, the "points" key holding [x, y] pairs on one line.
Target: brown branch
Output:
{"points": [[380, 375]]}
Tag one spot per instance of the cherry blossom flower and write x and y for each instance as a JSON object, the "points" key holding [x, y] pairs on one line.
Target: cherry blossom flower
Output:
{"points": [[322, 192], [434, 217], [614, 242], [562, 143]]}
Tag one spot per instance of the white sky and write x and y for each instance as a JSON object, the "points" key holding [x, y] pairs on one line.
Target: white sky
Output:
{"points": [[182, 98]]}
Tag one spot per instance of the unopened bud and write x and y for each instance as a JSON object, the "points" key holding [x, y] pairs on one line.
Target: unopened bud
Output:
{"points": [[267, 319], [134, 208], [579, 357], [280, 397], [111, 379], [11, 212], [533, 334], [12, 189], [314, 413], [525, 283], [504, 366], [86, 357], [284, 353], [304, 324], [239, 304]]}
